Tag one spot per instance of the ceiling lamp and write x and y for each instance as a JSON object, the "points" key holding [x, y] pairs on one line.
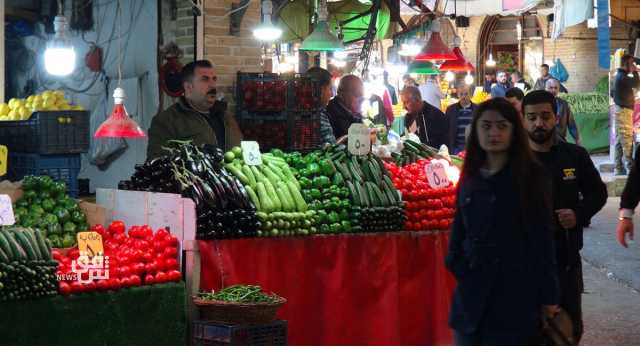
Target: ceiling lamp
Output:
{"points": [[460, 64], [423, 67], [119, 124], [468, 79], [321, 39], [490, 61], [435, 49], [59, 57], [449, 76], [267, 31], [409, 49]]}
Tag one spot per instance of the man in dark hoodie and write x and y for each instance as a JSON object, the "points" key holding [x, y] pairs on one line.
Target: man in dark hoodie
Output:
{"points": [[344, 109], [624, 99], [423, 119]]}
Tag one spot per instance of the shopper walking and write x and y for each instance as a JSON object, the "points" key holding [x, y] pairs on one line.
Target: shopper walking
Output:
{"points": [[500, 89], [501, 248], [459, 116], [578, 194], [624, 99]]}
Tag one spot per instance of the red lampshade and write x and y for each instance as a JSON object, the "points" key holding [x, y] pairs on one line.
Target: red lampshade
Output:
{"points": [[119, 124], [435, 50], [460, 64]]}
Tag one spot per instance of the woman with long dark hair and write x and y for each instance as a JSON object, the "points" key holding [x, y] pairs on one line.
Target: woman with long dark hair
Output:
{"points": [[501, 247]]}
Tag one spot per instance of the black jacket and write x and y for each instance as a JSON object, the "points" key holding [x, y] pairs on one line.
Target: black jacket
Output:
{"points": [[340, 117], [504, 266], [433, 128], [452, 118], [622, 91], [576, 185], [631, 194]]}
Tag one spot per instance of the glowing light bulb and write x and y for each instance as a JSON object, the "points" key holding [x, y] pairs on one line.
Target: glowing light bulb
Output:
{"points": [[468, 79], [449, 76], [490, 61]]}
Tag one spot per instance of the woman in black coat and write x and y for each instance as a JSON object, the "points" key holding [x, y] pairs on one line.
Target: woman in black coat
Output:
{"points": [[501, 247]]}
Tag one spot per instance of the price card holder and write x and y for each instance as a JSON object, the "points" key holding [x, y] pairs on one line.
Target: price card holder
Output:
{"points": [[6, 211], [90, 244], [359, 139], [4, 156], [251, 153], [436, 175]]}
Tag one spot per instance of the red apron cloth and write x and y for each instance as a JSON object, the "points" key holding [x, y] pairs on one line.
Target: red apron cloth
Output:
{"points": [[388, 289]]}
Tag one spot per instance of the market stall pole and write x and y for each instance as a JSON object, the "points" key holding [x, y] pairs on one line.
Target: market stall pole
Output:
{"points": [[349, 289]]}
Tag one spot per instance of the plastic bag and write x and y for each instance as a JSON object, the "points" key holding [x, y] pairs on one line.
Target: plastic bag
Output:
{"points": [[559, 72]]}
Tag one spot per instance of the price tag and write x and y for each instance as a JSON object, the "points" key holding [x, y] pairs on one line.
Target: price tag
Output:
{"points": [[6, 211], [251, 153], [436, 175], [90, 244], [4, 153], [359, 139]]}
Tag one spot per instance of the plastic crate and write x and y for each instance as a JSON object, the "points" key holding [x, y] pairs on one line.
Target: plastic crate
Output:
{"points": [[211, 334], [270, 134], [58, 167], [54, 132], [303, 94], [304, 131], [261, 96]]}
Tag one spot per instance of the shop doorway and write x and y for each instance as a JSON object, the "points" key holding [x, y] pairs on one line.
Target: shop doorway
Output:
{"points": [[514, 42]]}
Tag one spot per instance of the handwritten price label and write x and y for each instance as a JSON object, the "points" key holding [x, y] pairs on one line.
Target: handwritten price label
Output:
{"points": [[90, 244], [359, 140], [251, 153], [6, 211], [437, 175]]}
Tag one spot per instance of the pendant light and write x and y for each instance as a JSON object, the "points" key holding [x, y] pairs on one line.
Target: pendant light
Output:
{"points": [[321, 39], [460, 64], [490, 61], [423, 67], [468, 79], [60, 57], [119, 124], [267, 31], [435, 49]]}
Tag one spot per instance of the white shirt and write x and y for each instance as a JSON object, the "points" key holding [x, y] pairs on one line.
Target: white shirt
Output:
{"points": [[431, 93]]}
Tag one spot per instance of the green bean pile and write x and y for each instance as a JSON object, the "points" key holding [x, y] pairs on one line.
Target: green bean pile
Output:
{"points": [[240, 294]]}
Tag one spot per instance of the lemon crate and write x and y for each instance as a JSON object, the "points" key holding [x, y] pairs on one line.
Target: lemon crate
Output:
{"points": [[58, 167], [50, 132], [212, 334]]}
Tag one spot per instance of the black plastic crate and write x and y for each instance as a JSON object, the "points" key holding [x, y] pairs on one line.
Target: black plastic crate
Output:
{"points": [[270, 134], [212, 334], [58, 167], [304, 131], [51, 132], [303, 94], [261, 96]]}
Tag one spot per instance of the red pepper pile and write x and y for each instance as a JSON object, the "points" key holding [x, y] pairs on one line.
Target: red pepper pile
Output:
{"points": [[426, 208], [135, 258]]}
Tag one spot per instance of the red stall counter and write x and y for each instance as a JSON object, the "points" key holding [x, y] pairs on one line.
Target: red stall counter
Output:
{"points": [[388, 289]]}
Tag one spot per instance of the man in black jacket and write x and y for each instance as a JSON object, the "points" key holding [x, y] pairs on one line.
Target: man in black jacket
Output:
{"points": [[459, 116], [423, 119], [578, 194], [624, 99], [344, 109]]}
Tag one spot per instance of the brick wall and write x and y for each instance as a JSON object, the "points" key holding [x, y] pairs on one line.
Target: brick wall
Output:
{"points": [[179, 30], [231, 54]]}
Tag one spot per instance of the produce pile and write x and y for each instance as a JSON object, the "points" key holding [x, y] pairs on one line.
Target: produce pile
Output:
{"points": [[324, 190], [275, 192], [480, 96], [22, 109], [427, 208], [413, 151], [26, 267], [46, 206], [246, 294], [138, 257], [223, 206]]}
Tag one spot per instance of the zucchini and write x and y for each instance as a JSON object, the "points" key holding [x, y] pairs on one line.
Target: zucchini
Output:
{"points": [[44, 249], [250, 177], [289, 176], [389, 191], [379, 195], [287, 194], [18, 252], [256, 173], [342, 168], [238, 173], [301, 205], [34, 243], [375, 170], [367, 174], [4, 244], [353, 169], [4, 258], [277, 204], [273, 178], [364, 199], [354, 194], [356, 165], [265, 201], [277, 170], [26, 245], [374, 201], [286, 207], [254, 198]]}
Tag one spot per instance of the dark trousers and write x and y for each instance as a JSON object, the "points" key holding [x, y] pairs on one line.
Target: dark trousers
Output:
{"points": [[571, 288], [490, 338]]}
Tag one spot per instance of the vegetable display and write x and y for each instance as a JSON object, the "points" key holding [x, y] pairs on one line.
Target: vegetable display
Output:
{"points": [[26, 266], [223, 206], [412, 152], [241, 294], [46, 206], [427, 208], [138, 257]]}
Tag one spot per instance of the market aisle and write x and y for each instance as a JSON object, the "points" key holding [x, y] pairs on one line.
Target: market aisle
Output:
{"points": [[611, 313]]}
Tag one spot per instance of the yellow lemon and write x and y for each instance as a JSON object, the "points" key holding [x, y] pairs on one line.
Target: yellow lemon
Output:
{"points": [[37, 98], [24, 113], [59, 94], [64, 107], [4, 109], [77, 108], [61, 102], [48, 103], [4, 118], [19, 103], [13, 115], [30, 98], [12, 103], [47, 94]]}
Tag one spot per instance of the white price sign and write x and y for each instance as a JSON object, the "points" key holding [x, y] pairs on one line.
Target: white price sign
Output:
{"points": [[251, 153], [6, 211], [436, 175], [359, 139]]}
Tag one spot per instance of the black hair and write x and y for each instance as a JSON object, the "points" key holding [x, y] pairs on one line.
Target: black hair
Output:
{"points": [[624, 60], [189, 69], [537, 97], [545, 65], [514, 92], [321, 75]]}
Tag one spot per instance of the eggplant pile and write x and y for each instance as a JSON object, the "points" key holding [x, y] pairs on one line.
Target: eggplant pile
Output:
{"points": [[223, 206]]}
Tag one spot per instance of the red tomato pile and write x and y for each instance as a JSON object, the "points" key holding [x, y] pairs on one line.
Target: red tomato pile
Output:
{"points": [[139, 257], [426, 208]]}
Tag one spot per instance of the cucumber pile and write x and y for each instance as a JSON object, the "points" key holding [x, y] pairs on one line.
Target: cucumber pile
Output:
{"points": [[27, 269]]}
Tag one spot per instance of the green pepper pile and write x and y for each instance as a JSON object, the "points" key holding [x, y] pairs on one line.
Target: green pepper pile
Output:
{"points": [[323, 190], [46, 206], [241, 294]]}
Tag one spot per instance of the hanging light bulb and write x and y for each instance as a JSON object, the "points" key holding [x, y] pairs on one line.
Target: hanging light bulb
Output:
{"points": [[322, 39], [267, 31], [341, 54], [119, 124], [338, 63], [59, 57], [490, 61], [468, 79], [449, 76]]}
